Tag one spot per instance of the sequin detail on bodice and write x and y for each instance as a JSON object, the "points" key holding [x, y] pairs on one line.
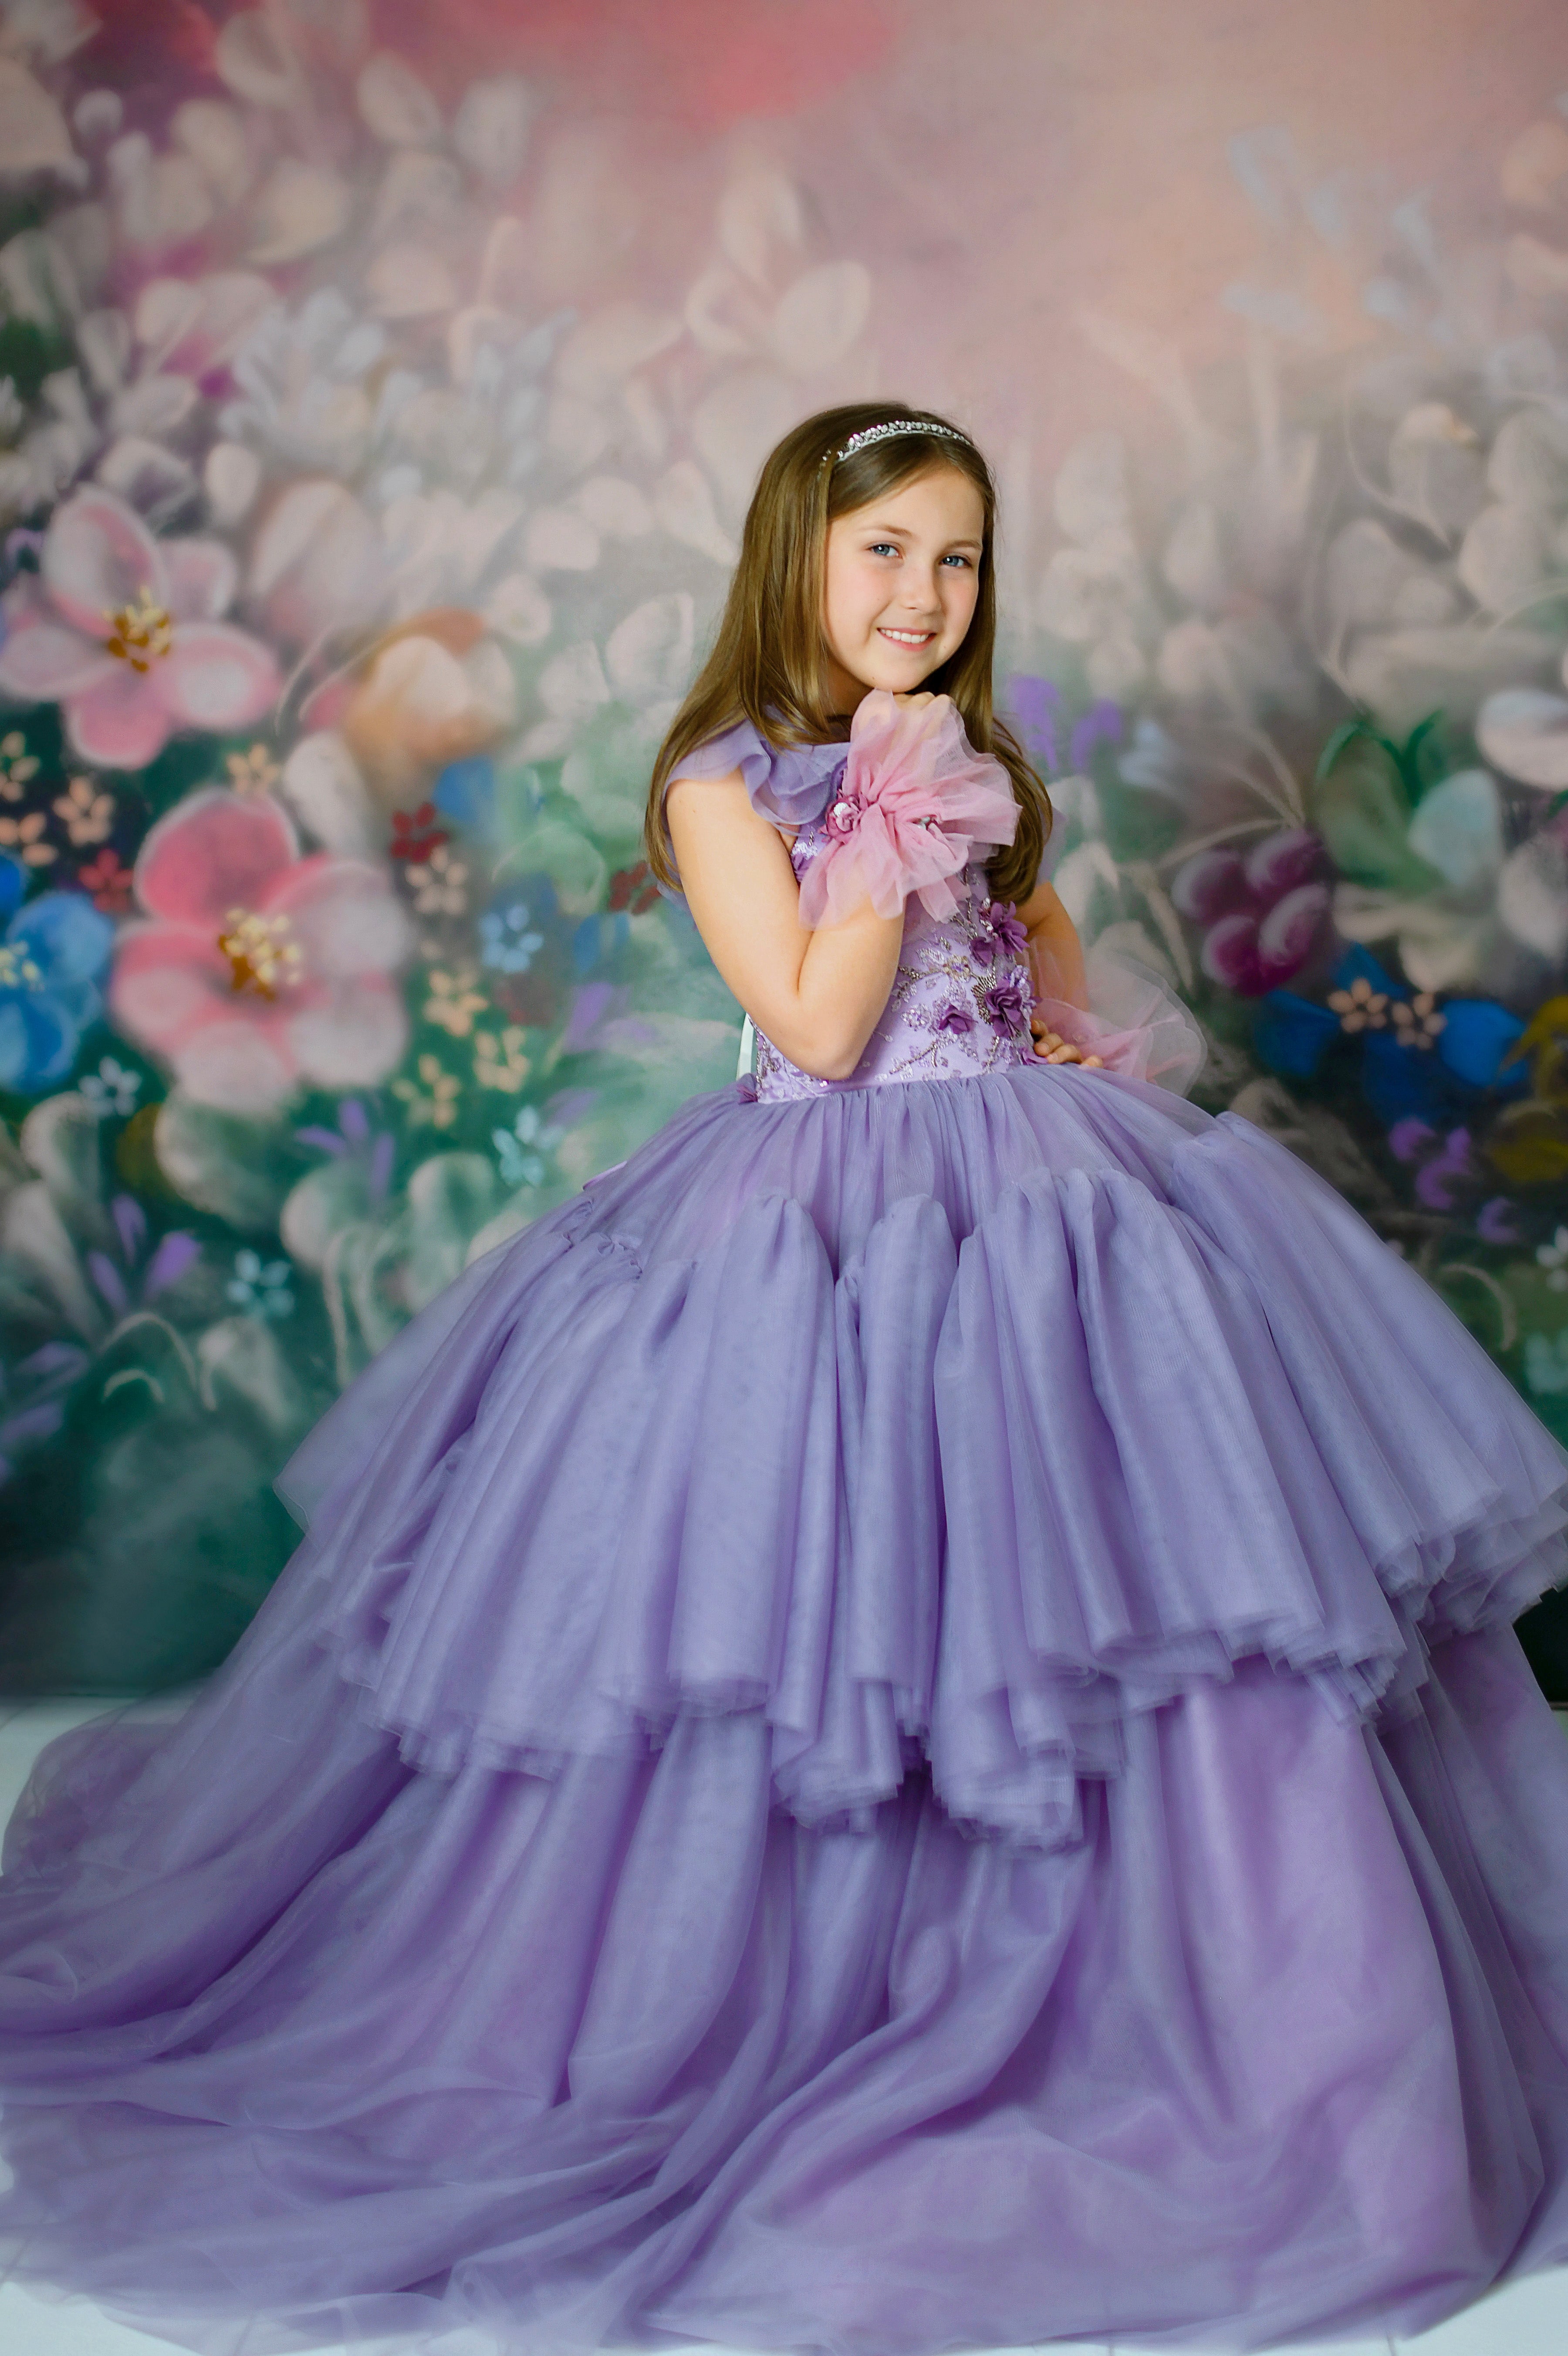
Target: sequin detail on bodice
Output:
{"points": [[959, 1004]]}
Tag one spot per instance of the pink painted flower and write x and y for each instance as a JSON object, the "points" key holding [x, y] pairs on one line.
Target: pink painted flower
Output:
{"points": [[121, 630], [260, 969], [1260, 915]]}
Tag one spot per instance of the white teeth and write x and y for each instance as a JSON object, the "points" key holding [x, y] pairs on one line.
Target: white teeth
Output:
{"points": [[910, 637]]}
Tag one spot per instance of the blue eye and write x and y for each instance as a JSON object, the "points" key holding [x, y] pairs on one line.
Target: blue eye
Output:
{"points": [[955, 559], [883, 547]]}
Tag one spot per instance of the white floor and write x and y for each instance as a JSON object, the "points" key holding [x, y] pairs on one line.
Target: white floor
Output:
{"points": [[1529, 2318]]}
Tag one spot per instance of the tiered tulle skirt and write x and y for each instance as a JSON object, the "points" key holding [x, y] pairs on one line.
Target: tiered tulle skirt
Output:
{"points": [[896, 1731]]}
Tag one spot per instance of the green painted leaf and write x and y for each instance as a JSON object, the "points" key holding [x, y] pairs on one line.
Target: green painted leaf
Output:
{"points": [[1362, 814]]}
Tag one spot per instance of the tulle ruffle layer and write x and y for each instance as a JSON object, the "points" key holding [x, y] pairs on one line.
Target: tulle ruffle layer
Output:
{"points": [[301, 2046], [960, 1421]]}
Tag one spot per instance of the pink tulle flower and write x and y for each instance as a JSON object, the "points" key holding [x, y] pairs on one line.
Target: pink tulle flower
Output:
{"points": [[121, 630], [915, 800], [260, 969]]}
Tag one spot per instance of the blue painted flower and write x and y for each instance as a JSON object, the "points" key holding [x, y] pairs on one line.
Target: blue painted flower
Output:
{"points": [[1398, 1080], [1477, 1036], [52, 957], [113, 1089], [1291, 1033], [260, 1288], [1472, 1036], [1400, 1085], [509, 944], [466, 792], [521, 1150], [598, 943]]}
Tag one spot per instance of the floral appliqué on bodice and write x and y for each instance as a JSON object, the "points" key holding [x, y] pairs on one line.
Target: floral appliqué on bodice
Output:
{"points": [[960, 1001]]}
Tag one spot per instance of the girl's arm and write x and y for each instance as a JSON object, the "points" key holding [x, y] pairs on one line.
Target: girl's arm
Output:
{"points": [[817, 995], [1055, 953], [1056, 968]]}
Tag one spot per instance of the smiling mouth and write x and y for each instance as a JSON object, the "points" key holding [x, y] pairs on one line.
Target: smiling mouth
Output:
{"points": [[908, 637]]}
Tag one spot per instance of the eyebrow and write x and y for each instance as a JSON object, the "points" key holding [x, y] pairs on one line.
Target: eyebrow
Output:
{"points": [[902, 531]]}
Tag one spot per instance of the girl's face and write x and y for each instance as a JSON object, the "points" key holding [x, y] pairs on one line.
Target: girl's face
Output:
{"points": [[903, 577]]}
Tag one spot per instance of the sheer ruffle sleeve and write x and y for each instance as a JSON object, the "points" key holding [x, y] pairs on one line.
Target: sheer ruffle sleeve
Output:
{"points": [[791, 784], [1133, 1022]]}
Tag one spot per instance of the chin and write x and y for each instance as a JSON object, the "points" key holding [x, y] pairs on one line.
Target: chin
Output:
{"points": [[900, 678]]}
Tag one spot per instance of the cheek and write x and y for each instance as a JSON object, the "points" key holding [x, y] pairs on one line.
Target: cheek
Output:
{"points": [[963, 597], [853, 597]]}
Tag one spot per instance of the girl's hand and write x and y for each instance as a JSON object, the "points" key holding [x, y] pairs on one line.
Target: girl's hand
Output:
{"points": [[1052, 1048]]}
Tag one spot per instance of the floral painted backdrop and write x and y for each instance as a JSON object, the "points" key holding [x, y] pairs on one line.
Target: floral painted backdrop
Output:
{"points": [[359, 528]]}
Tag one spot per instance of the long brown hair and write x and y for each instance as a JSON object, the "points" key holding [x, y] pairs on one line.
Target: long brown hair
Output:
{"points": [[768, 663]]}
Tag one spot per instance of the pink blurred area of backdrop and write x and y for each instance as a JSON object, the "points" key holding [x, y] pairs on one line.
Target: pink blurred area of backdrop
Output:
{"points": [[1019, 169]]}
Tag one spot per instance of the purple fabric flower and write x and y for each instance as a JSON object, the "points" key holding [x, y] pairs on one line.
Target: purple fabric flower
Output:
{"points": [[1003, 919], [1003, 935], [955, 1018], [1006, 1007]]}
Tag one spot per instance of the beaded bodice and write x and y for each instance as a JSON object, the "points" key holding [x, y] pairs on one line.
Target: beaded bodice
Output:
{"points": [[959, 1004]]}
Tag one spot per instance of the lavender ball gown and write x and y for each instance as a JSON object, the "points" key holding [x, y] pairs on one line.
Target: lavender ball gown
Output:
{"points": [[896, 1729]]}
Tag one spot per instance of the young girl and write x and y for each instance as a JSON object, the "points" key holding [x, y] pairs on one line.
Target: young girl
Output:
{"points": [[897, 1729]]}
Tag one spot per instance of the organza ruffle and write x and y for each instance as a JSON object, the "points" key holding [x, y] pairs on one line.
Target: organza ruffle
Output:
{"points": [[789, 784], [561, 1923], [300, 2047], [1133, 1022], [914, 803], [961, 1422]]}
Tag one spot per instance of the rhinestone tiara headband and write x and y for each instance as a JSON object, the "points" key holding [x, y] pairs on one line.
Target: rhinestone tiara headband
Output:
{"points": [[870, 434]]}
